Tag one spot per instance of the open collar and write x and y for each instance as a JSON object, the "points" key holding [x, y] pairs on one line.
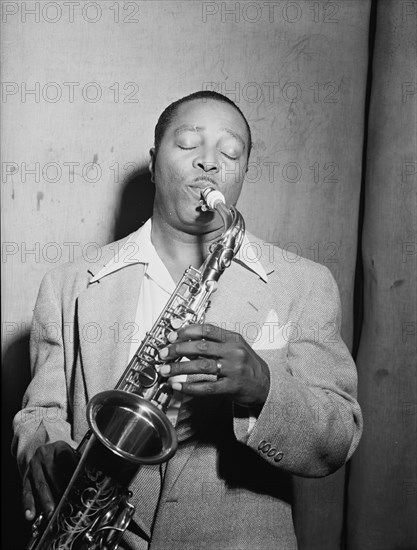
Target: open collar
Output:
{"points": [[138, 248]]}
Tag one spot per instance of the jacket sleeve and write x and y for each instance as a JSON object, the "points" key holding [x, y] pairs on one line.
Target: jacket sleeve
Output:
{"points": [[44, 417], [311, 422]]}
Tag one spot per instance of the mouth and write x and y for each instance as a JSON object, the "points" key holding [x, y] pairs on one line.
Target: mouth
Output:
{"points": [[196, 192], [202, 182], [195, 189]]}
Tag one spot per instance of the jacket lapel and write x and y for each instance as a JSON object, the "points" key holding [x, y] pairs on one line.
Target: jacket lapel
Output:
{"points": [[106, 316], [241, 303]]}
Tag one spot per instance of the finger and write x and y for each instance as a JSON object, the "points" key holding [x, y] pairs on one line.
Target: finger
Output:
{"points": [[40, 488], [28, 500], [219, 387], [192, 348], [203, 331], [197, 366], [64, 465]]}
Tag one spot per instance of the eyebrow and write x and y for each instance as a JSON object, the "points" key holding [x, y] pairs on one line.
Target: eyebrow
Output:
{"points": [[189, 128]]}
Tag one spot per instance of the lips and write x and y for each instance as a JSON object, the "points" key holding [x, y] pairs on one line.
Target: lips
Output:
{"points": [[204, 181], [199, 186]]}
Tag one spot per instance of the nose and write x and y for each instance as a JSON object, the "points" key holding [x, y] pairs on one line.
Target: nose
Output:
{"points": [[207, 162]]}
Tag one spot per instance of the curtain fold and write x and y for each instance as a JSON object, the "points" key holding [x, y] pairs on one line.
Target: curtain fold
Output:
{"points": [[381, 511]]}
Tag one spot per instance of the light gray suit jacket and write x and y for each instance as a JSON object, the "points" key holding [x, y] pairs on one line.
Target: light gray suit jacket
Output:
{"points": [[222, 490]]}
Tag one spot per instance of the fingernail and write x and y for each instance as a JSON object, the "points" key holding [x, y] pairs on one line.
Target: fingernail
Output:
{"points": [[173, 336], [163, 353], [165, 370], [177, 386], [29, 515]]}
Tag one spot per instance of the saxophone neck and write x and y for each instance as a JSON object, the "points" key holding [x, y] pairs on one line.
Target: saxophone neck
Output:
{"points": [[225, 248], [234, 228]]}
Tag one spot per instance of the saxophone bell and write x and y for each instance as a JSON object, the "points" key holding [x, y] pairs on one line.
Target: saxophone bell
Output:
{"points": [[126, 431], [131, 428]]}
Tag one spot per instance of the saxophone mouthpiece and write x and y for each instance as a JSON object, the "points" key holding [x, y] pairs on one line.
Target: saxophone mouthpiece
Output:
{"points": [[210, 198]]}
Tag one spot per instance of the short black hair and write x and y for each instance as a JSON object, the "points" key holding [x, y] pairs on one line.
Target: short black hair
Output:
{"points": [[169, 113]]}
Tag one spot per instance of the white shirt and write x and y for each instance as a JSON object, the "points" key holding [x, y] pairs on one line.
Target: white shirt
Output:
{"points": [[157, 287]]}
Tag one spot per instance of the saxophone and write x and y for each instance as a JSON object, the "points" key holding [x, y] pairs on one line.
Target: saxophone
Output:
{"points": [[128, 426]]}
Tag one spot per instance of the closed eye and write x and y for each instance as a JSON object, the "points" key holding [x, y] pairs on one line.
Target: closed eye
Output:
{"points": [[229, 157]]}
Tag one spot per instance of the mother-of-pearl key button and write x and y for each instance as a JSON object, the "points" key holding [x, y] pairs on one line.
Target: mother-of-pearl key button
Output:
{"points": [[176, 323]]}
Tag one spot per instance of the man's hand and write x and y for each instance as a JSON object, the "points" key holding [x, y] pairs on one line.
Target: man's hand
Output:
{"points": [[49, 471], [243, 376]]}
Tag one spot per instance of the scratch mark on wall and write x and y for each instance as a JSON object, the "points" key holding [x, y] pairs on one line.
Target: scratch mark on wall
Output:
{"points": [[399, 282], [39, 197]]}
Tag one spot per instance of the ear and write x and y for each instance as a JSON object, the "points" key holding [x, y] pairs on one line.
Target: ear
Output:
{"points": [[152, 163]]}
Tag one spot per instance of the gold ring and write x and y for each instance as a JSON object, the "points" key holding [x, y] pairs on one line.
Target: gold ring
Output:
{"points": [[219, 369]]}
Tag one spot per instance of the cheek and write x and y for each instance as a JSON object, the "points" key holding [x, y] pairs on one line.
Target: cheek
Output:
{"points": [[234, 195], [167, 175], [233, 173], [232, 182]]}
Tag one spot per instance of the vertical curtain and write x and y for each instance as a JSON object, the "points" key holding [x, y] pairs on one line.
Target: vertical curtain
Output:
{"points": [[381, 512]]}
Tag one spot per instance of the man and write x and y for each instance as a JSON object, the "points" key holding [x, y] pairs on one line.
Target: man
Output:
{"points": [[276, 400]]}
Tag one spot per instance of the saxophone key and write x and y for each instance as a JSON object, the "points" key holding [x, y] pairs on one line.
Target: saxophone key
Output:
{"points": [[147, 377], [176, 323]]}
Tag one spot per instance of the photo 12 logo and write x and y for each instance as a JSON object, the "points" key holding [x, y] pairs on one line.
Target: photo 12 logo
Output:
{"points": [[274, 92], [70, 12], [271, 12], [69, 92]]}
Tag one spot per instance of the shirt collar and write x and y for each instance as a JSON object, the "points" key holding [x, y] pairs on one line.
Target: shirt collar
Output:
{"points": [[139, 249]]}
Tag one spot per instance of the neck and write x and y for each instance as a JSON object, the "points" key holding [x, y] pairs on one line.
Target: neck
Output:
{"points": [[178, 249]]}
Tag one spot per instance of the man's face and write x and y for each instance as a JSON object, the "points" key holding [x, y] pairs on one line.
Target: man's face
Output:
{"points": [[206, 144]]}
